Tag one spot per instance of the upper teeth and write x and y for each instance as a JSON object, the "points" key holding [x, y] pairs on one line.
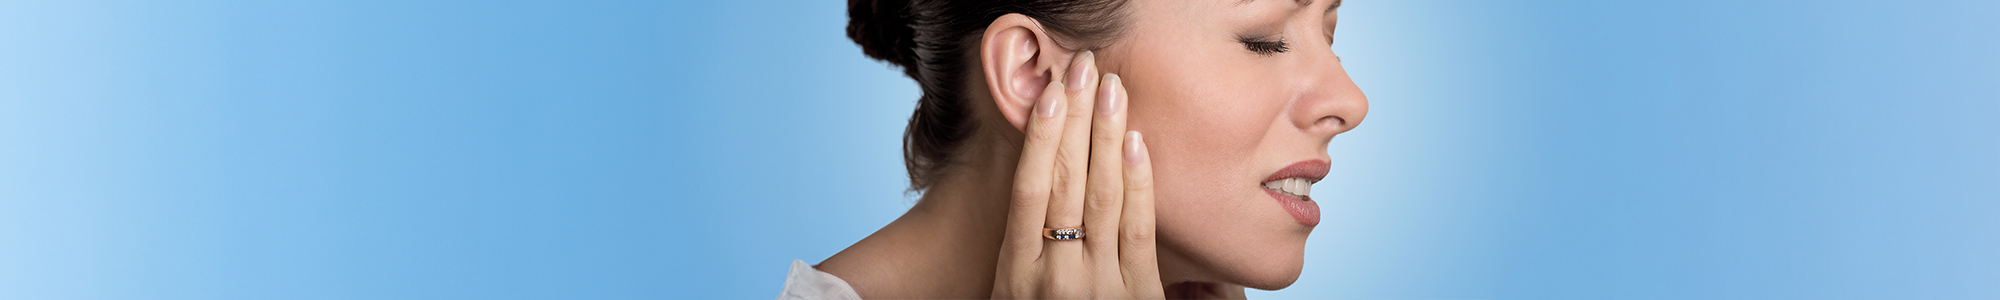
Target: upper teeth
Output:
{"points": [[1295, 187]]}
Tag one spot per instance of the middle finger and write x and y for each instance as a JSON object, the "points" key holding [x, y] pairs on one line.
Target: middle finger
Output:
{"points": [[1064, 259], [1073, 156], [1105, 199]]}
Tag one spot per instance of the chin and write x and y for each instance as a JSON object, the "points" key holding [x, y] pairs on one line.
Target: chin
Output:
{"points": [[1235, 232], [1275, 256], [1266, 260], [1273, 272]]}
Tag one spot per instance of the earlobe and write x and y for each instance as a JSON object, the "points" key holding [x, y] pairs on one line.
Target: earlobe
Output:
{"points": [[1012, 54]]}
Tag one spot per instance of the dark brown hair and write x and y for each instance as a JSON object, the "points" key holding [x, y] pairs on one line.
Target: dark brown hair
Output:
{"points": [[931, 41]]}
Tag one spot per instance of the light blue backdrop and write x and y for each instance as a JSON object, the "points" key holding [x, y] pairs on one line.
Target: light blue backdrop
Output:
{"points": [[1533, 149]]}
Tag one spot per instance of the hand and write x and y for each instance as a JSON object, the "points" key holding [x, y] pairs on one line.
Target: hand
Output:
{"points": [[1077, 131]]}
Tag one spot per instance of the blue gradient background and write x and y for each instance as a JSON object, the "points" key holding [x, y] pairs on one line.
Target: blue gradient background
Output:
{"points": [[1533, 149]]}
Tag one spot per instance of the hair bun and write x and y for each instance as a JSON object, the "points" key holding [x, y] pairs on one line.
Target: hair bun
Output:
{"points": [[882, 28]]}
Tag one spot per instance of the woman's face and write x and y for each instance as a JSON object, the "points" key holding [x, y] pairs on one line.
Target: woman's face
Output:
{"points": [[1225, 111]]}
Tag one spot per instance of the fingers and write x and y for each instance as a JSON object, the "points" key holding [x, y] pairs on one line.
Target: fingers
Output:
{"points": [[1136, 248], [1104, 201], [1065, 267], [1033, 181], [1073, 157]]}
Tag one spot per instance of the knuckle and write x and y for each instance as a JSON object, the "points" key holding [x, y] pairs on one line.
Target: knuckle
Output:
{"points": [[1027, 196], [1101, 206], [1043, 133], [1061, 189], [1053, 288], [1020, 205], [1062, 174], [1082, 110], [1105, 136], [1136, 236], [1104, 198], [1140, 183], [1135, 265]]}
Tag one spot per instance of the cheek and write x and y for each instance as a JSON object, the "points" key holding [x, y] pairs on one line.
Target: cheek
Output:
{"points": [[1204, 121], [1185, 101], [1206, 113]]}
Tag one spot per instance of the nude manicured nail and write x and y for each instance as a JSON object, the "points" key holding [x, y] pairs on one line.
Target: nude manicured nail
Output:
{"points": [[1080, 71], [1132, 145], [1046, 106], [1110, 95]]}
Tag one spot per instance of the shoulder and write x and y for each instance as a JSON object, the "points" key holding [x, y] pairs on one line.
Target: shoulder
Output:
{"points": [[805, 282]]}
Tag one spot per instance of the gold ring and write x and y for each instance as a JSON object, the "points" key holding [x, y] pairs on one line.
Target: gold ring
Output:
{"points": [[1062, 234]]}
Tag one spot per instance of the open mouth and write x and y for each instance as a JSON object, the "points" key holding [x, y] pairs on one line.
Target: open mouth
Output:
{"points": [[1296, 180], [1296, 187], [1291, 187]]}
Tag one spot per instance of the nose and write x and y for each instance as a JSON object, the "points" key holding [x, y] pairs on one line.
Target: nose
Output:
{"points": [[1328, 102]]}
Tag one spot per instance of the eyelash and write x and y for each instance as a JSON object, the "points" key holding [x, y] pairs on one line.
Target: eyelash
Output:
{"points": [[1265, 47]]}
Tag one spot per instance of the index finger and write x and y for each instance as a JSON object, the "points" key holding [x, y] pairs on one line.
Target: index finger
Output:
{"points": [[1033, 177]]}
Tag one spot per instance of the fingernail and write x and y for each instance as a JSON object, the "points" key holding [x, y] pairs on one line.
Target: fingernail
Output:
{"points": [[1110, 95], [1046, 106], [1080, 70], [1132, 145]]}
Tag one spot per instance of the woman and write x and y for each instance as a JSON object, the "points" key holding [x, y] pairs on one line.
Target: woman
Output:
{"points": [[1180, 138]]}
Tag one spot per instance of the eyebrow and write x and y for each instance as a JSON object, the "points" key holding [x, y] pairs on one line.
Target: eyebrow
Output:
{"points": [[1329, 8]]}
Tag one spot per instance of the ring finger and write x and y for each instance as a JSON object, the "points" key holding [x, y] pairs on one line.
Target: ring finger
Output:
{"points": [[1071, 164]]}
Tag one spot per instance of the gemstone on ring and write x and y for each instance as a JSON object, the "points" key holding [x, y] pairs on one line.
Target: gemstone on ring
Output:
{"points": [[1063, 234]]}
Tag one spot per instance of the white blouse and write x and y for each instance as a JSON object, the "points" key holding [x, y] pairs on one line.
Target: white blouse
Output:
{"points": [[805, 282]]}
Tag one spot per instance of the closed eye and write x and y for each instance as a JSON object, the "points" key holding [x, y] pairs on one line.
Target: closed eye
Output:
{"points": [[1264, 46]]}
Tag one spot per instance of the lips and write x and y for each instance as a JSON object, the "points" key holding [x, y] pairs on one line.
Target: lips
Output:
{"points": [[1291, 187]]}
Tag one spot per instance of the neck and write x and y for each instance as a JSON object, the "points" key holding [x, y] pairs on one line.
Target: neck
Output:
{"points": [[947, 245]]}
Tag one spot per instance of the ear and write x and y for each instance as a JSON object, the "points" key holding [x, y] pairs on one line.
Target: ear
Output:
{"points": [[1018, 56]]}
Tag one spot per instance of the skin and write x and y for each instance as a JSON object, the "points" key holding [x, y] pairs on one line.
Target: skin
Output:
{"points": [[1216, 120]]}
